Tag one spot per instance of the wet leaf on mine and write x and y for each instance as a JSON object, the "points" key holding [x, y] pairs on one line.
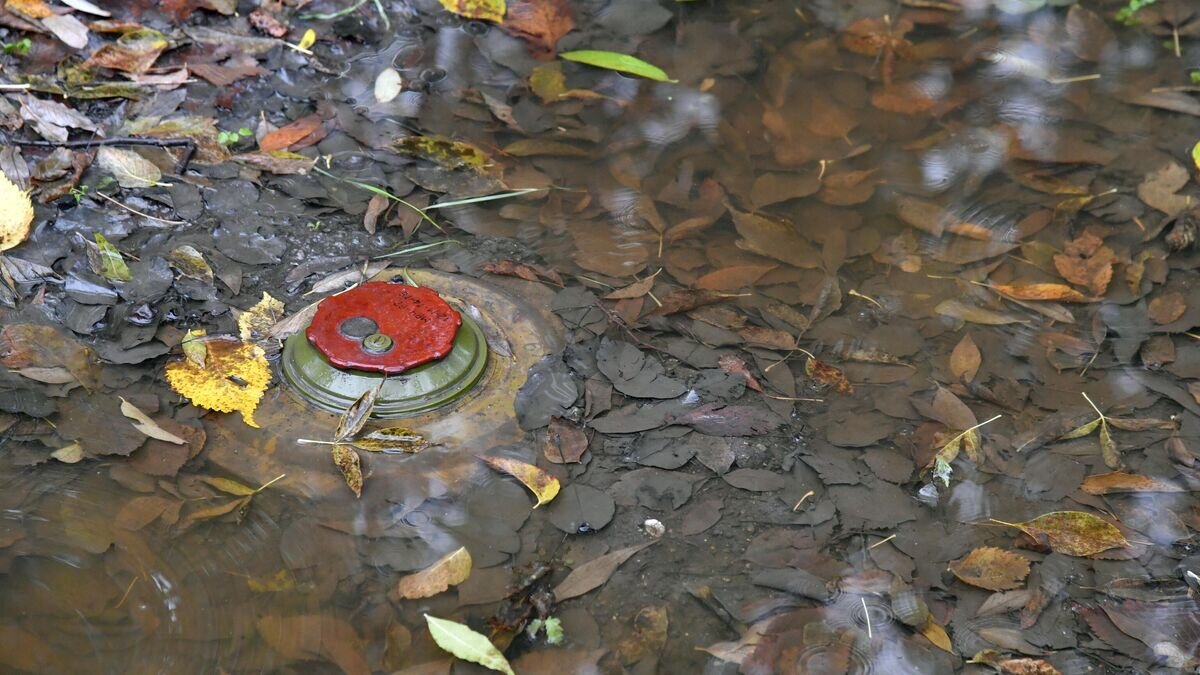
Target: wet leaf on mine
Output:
{"points": [[234, 377], [1072, 532], [619, 62], [450, 570], [346, 460], [356, 415], [827, 375], [991, 568], [16, 214], [143, 423], [392, 441], [444, 152], [485, 10], [254, 323], [543, 486], [464, 643], [109, 263], [190, 263]]}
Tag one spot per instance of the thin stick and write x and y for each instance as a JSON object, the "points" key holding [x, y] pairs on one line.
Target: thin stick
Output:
{"points": [[270, 482], [135, 211], [15, 87], [881, 542], [188, 144], [806, 496], [1089, 400]]}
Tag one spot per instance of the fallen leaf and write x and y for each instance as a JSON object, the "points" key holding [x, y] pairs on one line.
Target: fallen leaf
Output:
{"points": [[134, 52], [229, 486], [391, 441], [1009, 666], [1086, 261], [352, 421], [486, 10], [1072, 533], [635, 290], [193, 346], [141, 511], [41, 352], [254, 323], [68, 454], [190, 263], [388, 85], [144, 424], [1119, 482], [827, 375], [594, 573], [934, 632], [346, 460], [648, 637], [565, 442], [280, 582], [543, 486], [733, 278], [16, 214], [450, 570], [286, 136], [1058, 292], [736, 366], [624, 63], [1167, 307], [957, 309], [444, 152], [991, 568], [107, 261], [715, 419], [234, 377], [231, 506], [541, 23], [1159, 189], [466, 644], [66, 27], [316, 637], [951, 411], [129, 168], [965, 359], [776, 239]]}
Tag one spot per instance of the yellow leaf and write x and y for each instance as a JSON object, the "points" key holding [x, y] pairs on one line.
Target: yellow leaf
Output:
{"points": [[541, 484], [309, 39], [254, 323], [234, 377], [16, 214], [451, 570], [1196, 154], [488, 10], [937, 635]]}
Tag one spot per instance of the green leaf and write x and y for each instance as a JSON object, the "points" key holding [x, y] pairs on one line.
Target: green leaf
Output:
{"points": [[619, 62], [112, 265], [554, 631], [466, 644], [1081, 431]]}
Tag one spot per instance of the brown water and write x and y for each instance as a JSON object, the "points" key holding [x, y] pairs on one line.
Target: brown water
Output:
{"points": [[872, 185]]}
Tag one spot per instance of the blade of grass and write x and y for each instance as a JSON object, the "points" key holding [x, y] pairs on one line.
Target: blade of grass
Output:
{"points": [[416, 248], [381, 192], [484, 198]]}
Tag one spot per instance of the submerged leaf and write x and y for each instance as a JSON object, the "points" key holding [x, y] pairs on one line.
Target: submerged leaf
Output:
{"points": [[234, 377], [444, 152], [486, 10], [991, 568], [254, 323], [594, 573], [827, 375], [1072, 532], [450, 570], [112, 265], [391, 441], [143, 423], [1119, 481], [1080, 432], [620, 62], [1059, 292], [229, 486], [466, 644], [346, 460], [934, 632], [16, 214], [543, 486]]}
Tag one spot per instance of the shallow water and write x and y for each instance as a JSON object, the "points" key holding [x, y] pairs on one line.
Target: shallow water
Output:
{"points": [[870, 186]]}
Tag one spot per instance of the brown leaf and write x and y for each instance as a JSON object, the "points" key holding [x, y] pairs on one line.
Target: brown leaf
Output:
{"points": [[1119, 481], [141, 511], [770, 338], [991, 568], [1059, 292], [1072, 533], [539, 22], [951, 411], [319, 637], [965, 359], [827, 375], [565, 441], [594, 573], [635, 290], [733, 278], [346, 460], [957, 309], [352, 421], [450, 570], [1167, 307], [1086, 261], [375, 208], [134, 52], [41, 352], [1089, 35], [287, 136], [934, 632], [776, 239]]}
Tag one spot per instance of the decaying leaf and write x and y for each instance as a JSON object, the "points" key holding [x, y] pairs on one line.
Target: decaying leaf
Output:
{"points": [[229, 486], [486, 10], [346, 460], [234, 377], [594, 573], [238, 506], [143, 423], [1120, 481], [357, 414], [957, 309], [280, 582], [565, 441], [466, 644], [43, 354], [1009, 666], [827, 375], [1086, 261], [649, 636], [107, 261], [1058, 292], [444, 152], [129, 168], [256, 322], [391, 441], [543, 486], [191, 263], [991, 568], [1072, 533], [1167, 307], [16, 214], [450, 570]]}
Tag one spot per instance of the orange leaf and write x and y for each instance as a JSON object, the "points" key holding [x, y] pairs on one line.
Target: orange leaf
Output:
{"points": [[1059, 292], [289, 135], [827, 375]]}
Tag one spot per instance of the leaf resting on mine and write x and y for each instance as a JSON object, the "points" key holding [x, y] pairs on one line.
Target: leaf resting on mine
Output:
{"points": [[543, 486], [466, 644], [451, 570], [234, 377]]}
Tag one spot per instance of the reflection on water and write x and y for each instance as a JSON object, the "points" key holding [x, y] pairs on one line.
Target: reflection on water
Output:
{"points": [[880, 184]]}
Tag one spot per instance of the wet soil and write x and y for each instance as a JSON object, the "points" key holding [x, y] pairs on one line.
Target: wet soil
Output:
{"points": [[840, 305]]}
